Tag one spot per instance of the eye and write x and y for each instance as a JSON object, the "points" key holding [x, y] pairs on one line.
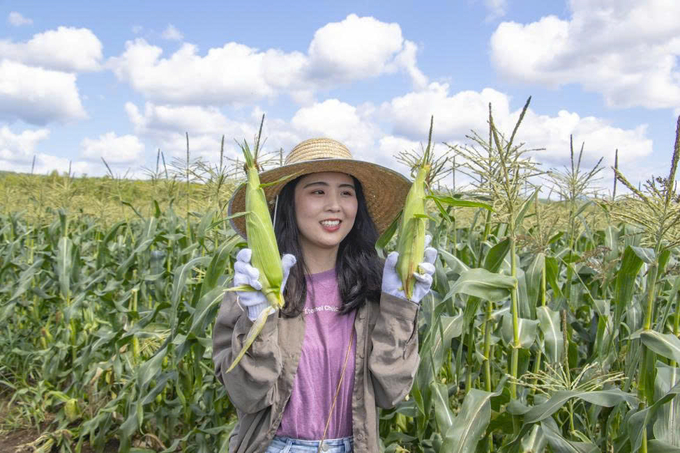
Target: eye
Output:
{"points": [[318, 191]]}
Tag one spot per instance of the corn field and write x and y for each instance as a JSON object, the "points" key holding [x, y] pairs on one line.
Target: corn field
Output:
{"points": [[552, 326]]}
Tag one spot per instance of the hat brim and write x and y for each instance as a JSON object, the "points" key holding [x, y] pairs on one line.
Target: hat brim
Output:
{"points": [[385, 190]]}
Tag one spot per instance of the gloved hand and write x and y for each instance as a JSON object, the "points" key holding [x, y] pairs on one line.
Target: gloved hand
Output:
{"points": [[245, 274], [391, 283]]}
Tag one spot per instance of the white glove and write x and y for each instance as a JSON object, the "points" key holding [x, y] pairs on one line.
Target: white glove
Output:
{"points": [[391, 283], [245, 274]]}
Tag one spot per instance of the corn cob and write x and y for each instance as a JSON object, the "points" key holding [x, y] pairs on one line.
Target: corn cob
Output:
{"points": [[71, 409], [411, 240], [262, 242]]}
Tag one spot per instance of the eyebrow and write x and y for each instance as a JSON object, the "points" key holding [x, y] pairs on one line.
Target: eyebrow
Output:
{"points": [[325, 184]]}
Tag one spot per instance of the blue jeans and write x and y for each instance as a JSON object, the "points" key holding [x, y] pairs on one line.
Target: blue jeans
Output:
{"points": [[288, 445]]}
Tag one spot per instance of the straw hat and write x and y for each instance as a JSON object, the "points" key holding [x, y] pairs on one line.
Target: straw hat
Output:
{"points": [[385, 190]]}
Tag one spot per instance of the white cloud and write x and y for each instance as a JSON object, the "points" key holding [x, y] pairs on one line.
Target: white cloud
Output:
{"points": [[65, 49], [37, 95], [20, 147], [361, 128], [359, 48], [354, 49], [126, 149], [165, 126], [46, 163], [454, 116], [172, 34], [232, 74], [390, 146], [457, 115], [600, 137], [626, 50], [495, 8], [18, 20], [407, 60], [17, 151], [339, 121], [191, 119]]}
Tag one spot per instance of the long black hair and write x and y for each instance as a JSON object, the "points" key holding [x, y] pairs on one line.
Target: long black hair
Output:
{"points": [[358, 266]]}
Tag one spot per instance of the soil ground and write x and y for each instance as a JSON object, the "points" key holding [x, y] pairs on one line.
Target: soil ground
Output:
{"points": [[16, 441]]}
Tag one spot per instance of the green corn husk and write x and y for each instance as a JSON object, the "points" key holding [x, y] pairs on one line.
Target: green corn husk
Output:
{"points": [[262, 242], [261, 237], [411, 233], [71, 409]]}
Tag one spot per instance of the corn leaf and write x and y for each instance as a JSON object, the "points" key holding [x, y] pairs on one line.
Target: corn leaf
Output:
{"points": [[64, 264], [524, 209], [470, 423], [483, 284], [533, 278], [667, 425], [494, 259], [561, 445], [442, 411], [667, 345], [640, 419], [527, 331], [549, 322], [534, 441], [457, 202]]}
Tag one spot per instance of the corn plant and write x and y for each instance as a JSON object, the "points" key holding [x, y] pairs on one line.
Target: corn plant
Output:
{"points": [[540, 334]]}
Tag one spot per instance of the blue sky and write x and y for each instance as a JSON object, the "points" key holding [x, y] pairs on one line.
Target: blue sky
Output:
{"points": [[81, 81]]}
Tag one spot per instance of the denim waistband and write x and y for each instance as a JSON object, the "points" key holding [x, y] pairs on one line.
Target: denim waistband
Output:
{"points": [[290, 445]]}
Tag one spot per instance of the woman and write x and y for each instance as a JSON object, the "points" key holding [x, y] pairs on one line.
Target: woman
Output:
{"points": [[347, 338]]}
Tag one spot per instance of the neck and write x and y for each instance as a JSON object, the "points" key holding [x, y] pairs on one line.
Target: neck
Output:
{"points": [[320, 260]]}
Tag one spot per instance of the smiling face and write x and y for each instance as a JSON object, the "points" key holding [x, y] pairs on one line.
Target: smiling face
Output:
{"points": [[325, 209]]}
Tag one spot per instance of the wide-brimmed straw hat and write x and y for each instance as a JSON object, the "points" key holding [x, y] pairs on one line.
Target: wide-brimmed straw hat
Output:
{"points": [[385, 190]]}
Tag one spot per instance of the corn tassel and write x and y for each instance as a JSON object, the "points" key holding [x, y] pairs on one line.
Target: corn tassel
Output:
{"points": [[411, 241]]}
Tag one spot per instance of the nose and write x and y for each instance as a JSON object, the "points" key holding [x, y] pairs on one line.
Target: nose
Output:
{"points": [[333, 203]]}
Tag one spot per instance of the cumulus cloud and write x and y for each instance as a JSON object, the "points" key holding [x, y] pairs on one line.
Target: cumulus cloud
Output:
{"points": [[358, 48], [172, 34], [338, 120], [601, 139], [342, 52], [37, 95], [455, 116], [165, 126], [626, 50], [390, 146], [356, 127], [17, 151], [65, 49], [17, 20], [126, 149], [233, 74], [46, 163], [191, 119], [20, 148]]}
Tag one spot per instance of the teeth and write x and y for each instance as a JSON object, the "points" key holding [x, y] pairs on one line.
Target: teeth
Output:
{"points": [[330, 223]]}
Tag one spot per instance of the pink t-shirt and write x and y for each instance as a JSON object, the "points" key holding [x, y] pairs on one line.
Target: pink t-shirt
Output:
{"points": [[327, 335]]}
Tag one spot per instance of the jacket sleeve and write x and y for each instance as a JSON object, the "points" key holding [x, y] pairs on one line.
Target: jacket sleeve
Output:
{"points": [[393, 358], [251, 385]]}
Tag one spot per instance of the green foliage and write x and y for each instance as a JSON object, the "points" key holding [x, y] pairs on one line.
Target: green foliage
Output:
{"points": [[534, 338]]}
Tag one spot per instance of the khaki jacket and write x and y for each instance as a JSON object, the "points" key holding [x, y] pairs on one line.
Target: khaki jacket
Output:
{"points": [[259, 387]]}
